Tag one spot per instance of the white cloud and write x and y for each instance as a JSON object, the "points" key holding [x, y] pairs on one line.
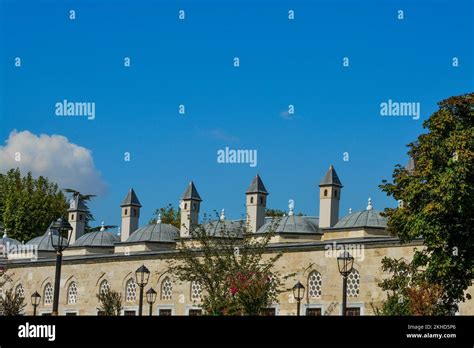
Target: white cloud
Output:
{"points": [[67, 164]]}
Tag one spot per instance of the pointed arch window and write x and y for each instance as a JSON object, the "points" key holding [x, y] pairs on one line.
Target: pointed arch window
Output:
{"points": [[72, 293], [353, 283], [20, 291], [315, 282], [104, 287], [196, 291], [166, 289], [131, 290], [48, 295]]}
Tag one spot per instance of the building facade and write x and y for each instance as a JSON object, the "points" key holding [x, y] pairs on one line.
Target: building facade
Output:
{"points": [[99, 261]]}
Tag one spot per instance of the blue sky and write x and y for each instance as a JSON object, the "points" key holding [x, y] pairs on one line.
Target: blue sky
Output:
{"points": [[190, 62]]}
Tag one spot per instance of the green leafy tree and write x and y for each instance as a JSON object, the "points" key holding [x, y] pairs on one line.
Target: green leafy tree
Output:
{"points": [[234, 274], [110, 303], [278, 213], [274, 212], [436, 204], [11, 303], [86, 198], [169, 215], [28, 205]]}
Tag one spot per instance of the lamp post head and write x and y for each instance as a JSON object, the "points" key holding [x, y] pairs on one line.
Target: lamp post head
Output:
{"points": [[35, 298], [151, 296], [61, 228], [141, 276], [345, 263], [298, 291]]}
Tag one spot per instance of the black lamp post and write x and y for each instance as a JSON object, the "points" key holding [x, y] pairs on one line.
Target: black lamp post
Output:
{"points": [[141, 275], [151, 298], [35, 300], [59, 235], [298, 293], [345, 263]]}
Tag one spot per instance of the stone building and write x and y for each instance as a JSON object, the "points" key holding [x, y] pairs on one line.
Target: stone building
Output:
{"points": [[98, 261]]}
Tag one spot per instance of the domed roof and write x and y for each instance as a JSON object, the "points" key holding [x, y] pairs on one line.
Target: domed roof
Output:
{"points": [[156, 232], [44, 242], [6, 240], [222, 227], [98, 239], [290, 224], [365, 218]]}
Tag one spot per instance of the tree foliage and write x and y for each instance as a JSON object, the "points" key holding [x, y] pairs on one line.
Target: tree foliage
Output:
{"points": [[278, 213], [169, 215], [11, 303], [235, 275], [437, 204], [110, 303], [29, 205]]}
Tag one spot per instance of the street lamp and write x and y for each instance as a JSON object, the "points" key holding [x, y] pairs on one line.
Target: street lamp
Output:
{"points": [[59, 235], [141, 276], [151, 298], [35, 300], [345, 263], [298, 293]]}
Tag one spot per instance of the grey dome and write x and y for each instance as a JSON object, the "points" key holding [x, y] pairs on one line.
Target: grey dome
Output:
{"points": [[43, 242], [6, 240], [364, 218], [219, 228], [290, 224], [157, 232], [97, 239]]}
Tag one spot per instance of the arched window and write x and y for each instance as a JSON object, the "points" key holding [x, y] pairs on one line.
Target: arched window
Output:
{"points": [[315, 282], [325, 193], [48, 294], [261, 200], [72, 293], [131, 290], [104, 287], [353, 283], [20, 291], [166, 289], [251, 200], [335, 193], [271, 279], [196, 291]]}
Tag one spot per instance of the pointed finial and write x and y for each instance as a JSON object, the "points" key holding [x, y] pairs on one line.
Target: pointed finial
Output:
{"points": [[350, 210], [291, 207], [158, 221], [102, 227], [222, 218], [369, 204]]}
